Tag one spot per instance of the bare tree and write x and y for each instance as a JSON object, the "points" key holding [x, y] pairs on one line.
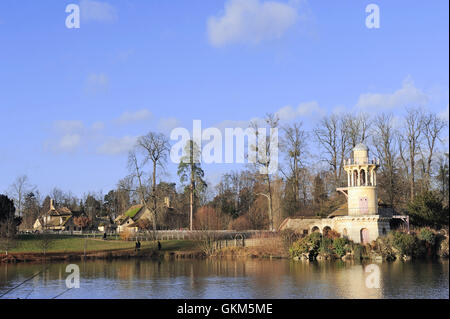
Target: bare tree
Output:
{"points": [[332, 134], [46, 241], [357, 127], [116, 201], [18, 190], [409, 145], [432, 128], [135, 167], [154, 148], [126, 187], [82, 222], [384, 139], [295, 145], [264, 157], [58, 196], [234, 181]]}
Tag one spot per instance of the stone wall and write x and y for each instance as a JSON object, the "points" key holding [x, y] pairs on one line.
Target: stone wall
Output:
{"points": [[301, 224], [348, 226], [351, 226]]}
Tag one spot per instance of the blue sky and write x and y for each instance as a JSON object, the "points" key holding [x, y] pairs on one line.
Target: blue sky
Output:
{"points": [[74, 100]]}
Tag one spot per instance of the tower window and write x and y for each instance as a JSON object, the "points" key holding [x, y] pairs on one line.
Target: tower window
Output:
{"points": [[362, 177]]}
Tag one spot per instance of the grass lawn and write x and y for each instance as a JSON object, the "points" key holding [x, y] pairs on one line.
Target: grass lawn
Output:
{"points": [[32, 244]]}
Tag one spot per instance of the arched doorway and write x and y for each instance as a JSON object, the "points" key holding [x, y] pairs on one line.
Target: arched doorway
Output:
{"points": [[315, 229], [365, 239]]}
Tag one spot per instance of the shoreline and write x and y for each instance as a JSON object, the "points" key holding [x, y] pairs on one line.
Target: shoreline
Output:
{"points": [[29, 249], [31, 257], [148, 253]]}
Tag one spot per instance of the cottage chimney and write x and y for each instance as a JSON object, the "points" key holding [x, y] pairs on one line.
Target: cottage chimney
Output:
{"points": [[51, 205]]}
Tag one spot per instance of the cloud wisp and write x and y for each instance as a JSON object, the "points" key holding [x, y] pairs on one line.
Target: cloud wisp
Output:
{"points": [[251, 22], [407, 95], [285, 114], [69, 136], [165, 125], [306, 109], [129, 117], [117, 145]]}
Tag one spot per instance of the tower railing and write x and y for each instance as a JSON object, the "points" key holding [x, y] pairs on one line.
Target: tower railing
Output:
{"points": [[351, 161]]}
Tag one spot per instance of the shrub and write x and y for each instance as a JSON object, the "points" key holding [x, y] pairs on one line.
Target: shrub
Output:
{"points": [[384, 247], [406, 244], [313, 242], [443, 249], [307, 245], [326, 246], [358, 251], [126, 234], [427, 210], [427, 236], [332, 234], [298, 249], [340, 246]]}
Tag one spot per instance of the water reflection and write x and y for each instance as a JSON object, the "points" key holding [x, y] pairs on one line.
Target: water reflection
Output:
{"points": [[226, 278]]}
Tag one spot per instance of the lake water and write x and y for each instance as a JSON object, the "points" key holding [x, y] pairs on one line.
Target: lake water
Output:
{"points": [[250, 278]]}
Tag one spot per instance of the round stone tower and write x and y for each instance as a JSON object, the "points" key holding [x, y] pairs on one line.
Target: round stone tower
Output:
{"points": [[362, 182]]}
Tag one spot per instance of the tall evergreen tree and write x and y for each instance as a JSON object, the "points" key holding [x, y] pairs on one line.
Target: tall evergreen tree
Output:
{"points": [[190, 170]]}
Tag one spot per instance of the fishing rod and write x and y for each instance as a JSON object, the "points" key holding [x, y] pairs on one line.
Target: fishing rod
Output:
{"points": [[62, 293], [28, 279]]}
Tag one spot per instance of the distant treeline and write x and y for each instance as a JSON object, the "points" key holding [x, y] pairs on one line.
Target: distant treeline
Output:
{"points": [[413, 177]]}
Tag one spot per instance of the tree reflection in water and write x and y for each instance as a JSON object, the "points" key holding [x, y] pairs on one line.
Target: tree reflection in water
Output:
{"points": [[227, 278]]}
